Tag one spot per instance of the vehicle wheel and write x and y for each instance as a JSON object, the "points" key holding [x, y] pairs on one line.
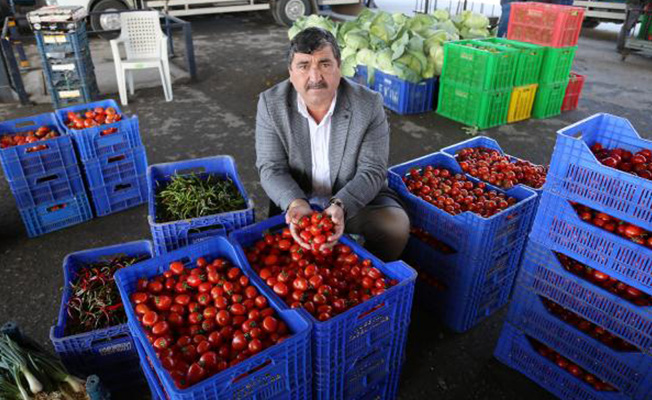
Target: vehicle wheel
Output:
{"points": [[288, 11], [590, 23], [106, 22]]}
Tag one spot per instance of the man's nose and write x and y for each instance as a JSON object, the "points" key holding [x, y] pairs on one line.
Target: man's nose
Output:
{"points": [[314, 74]]}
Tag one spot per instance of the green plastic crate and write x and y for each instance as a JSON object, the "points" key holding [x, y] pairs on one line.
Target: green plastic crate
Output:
{"points": [[472, 106], [530, 60], [549, 99], [490, 67], [557, 64]]}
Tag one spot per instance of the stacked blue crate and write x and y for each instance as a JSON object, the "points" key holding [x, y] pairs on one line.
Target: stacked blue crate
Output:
{"points": [[580, 324], [43, 176], [469, 275], [67, 63], [113, 159]]}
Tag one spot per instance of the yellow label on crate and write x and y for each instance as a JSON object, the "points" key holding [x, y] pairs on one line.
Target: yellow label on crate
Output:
{"points": [[521, 102], [68, 94], [55, 39]]}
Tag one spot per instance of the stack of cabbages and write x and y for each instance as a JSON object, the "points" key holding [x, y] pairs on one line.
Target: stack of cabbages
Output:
{"points": [[410, 48]]}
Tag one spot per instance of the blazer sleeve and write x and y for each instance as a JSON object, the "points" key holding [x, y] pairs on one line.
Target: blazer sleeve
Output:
{"points": [[272, 160], [371, 172]]}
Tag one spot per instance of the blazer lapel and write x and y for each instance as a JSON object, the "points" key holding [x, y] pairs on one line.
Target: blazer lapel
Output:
{"points": [[339, 133], [300, 134]]}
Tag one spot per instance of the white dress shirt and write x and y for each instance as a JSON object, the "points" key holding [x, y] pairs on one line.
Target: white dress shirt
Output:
{"points": [[320, 135]]}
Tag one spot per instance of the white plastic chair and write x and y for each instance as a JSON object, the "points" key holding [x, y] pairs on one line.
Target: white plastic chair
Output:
{"points": [[145, 47]]}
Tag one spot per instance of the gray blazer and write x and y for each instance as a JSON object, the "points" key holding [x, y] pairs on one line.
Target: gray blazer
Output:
{"points": [[358, 148]]}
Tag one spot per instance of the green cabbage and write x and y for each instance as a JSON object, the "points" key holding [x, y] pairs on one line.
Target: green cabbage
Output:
{"points": [[441, 15]]}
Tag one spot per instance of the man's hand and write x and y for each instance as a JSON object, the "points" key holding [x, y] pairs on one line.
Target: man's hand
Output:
{"points": [[298, 209], [337, 215]]}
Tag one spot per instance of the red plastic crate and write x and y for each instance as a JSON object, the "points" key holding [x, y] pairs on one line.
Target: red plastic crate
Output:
{"points": [[573, 91], [545, 24]]}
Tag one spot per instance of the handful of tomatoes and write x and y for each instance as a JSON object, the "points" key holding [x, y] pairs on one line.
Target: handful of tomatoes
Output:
{"points": [[205, 319], [324, 281]]}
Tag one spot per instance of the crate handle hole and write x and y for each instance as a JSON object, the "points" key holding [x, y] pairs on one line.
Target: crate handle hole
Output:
{"points": [[189, 171], [34, 149], [373, 310], [57, 207], [251, 371], [110, 339], [47, 178], [122, 186], [116, 158]]}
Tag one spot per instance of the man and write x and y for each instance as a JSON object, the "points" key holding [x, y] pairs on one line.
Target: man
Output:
{"points": [[505, 6], [322, 138]]}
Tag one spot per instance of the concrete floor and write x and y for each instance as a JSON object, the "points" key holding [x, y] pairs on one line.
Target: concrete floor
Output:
{"points": [[240, 56]]}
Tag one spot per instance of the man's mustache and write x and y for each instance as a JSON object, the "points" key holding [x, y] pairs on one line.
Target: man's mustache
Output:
{"points": [[318, 85]]}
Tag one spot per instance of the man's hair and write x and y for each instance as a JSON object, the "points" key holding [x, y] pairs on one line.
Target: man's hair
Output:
{"points": [[310, 40]]}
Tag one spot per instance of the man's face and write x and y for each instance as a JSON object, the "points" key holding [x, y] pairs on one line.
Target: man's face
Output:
{"points": [[316, 76]]}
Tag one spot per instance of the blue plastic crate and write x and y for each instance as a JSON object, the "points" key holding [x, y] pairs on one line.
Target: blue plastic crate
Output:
{"points": [[56, 185], [475, 288], [515, 351], [468, 233], [56, 215], [630, 372], [169, 236], [68, 93], [575, 174], [73, 42], [404, 97], [115, 168], [19, 162], [543, 274], [339, 343], [153, 381], [91, 143], [109, 352], [558, 227], [119, 196], [288, 362]]}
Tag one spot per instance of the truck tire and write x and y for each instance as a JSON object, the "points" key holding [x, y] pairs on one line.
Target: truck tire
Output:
{"points": [[105, 22], [287, 11], [590, 23]]}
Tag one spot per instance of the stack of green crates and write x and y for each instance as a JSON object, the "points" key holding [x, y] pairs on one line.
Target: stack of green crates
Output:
{"points": [[555, 72], [476, 81], [479, 77]]}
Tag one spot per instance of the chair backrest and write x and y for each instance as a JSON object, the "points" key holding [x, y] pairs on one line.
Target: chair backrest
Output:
{"points": [[141, 33]]}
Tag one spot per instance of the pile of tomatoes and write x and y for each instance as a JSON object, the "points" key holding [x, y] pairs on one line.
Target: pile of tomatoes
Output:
{"points": [[95, 117], [639, 163], [324, 282], [573, 369], [498, 169], [591, 329], [605, 281], [18, 139], [205, 319], [455, 193], [611, 224]]}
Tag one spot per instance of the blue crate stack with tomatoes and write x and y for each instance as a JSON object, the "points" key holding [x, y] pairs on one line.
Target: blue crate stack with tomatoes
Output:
{"points": [[580, 323], [40, 164], [470, 218], [111, 152]]}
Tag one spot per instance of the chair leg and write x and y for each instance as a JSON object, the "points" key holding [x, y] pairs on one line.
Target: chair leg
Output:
{"points": [[122, 87], [166, 69], [167, 88], [130, 78]]}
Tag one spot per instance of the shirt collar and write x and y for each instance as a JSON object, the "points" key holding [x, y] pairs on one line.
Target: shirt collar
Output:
{"points": [[303, 109]]}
